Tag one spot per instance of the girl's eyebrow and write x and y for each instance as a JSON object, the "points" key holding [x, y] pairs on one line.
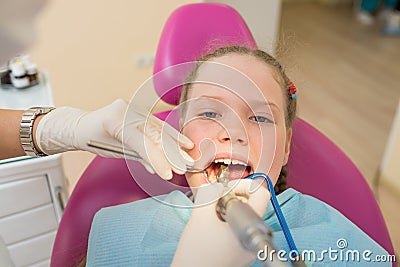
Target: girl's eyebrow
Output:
{"points": [[253, 105], [214, 97], [264, 103]]}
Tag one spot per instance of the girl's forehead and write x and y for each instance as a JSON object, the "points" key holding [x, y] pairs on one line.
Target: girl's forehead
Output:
{"points": [[243, 76]]}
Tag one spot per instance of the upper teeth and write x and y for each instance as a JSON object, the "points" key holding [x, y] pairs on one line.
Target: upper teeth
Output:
{"points": [[229, 161]]}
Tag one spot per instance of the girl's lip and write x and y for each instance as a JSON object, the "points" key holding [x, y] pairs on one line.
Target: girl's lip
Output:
{"points": [[233, 157], [225, 156]]}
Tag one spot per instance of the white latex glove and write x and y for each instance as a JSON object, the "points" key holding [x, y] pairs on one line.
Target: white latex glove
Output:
{"points": [[66, 129], [207, 241]]}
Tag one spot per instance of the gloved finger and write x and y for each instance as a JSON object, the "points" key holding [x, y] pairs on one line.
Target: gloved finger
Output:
{"points": [[170, 144], [147, 145], [178, 170], [113, 141], [208, 194], [181, 139], [150, 153], [207, 151], [188, 159], [165, 128], [113, 118], [154, 155], [158, 131], [246, 186], [185, 142], [114, 124], [181, 169], [149, 128], [257, 195], [177, 158], [137, 118]]}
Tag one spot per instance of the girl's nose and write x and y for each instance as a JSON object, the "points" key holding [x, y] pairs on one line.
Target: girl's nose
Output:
{"points": [[236, 134]]}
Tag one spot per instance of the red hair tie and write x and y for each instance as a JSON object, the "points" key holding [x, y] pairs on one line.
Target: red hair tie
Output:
{"points": [[292, 90]]}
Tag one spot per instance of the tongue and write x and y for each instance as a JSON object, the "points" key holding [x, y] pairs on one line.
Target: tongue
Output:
{"points": [[237, 172]]}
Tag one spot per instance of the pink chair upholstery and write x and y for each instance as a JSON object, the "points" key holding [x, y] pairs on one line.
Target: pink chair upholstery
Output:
{"points": [[316, 166], [191, 31]]}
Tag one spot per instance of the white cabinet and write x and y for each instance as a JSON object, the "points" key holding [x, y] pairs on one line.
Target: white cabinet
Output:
{"points": [[32, 190], [15, 229], [32, 251], [9, 191]]}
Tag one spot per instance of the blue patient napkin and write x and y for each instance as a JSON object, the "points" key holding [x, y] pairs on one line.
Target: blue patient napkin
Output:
{"points": [[147, 232]]}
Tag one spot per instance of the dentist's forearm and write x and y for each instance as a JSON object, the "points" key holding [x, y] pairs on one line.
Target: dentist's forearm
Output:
{"points": [[10, 144]]}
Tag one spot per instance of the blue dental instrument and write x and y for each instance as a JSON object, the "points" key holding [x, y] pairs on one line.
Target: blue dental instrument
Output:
{"points": [[278, 211]]}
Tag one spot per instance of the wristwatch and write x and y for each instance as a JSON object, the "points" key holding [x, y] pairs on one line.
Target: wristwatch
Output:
{"points": [[26, 129]]}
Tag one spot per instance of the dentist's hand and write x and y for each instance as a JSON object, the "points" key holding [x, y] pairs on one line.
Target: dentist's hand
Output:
{"points": [[207, 241], [66, 129]]}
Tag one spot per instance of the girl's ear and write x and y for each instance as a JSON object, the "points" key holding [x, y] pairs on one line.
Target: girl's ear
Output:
{"points": [[289, 134]]}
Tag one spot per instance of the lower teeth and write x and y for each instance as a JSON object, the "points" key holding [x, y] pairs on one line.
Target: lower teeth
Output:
{"points": [[212, 178]]}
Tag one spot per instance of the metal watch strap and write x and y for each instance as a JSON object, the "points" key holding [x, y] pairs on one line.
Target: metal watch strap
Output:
{"points": [[26, 129]]}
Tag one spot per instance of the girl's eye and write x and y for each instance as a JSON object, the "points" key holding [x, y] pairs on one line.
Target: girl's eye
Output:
{"points": [[261, 119], [209, 114]]}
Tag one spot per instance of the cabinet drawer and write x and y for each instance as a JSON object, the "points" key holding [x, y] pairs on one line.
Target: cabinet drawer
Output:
{"points": [[23, 194], [24, 225], [33, 250]]}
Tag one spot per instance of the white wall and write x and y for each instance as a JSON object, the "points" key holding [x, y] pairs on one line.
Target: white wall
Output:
{"points": [[263, 18], [390, 167]]}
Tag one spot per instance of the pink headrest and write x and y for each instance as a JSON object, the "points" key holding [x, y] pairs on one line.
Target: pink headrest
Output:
{"points": [[190, 32]]}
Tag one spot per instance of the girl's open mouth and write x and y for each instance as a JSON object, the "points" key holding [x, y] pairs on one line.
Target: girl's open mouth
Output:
{"points": [[237, 169]]}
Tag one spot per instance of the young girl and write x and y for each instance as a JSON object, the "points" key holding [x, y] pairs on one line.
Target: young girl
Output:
{"points": [[245, 105]]}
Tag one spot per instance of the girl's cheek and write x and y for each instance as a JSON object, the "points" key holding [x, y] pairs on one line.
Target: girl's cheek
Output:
{"points": [[263, 154], [194, 152], [196, 133]]}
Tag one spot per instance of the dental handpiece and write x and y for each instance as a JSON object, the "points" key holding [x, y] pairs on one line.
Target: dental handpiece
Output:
{"points": [[253, 234]]}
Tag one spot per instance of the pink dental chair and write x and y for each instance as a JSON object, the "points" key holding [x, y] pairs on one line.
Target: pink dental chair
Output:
{"points": [[316, 166]]}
